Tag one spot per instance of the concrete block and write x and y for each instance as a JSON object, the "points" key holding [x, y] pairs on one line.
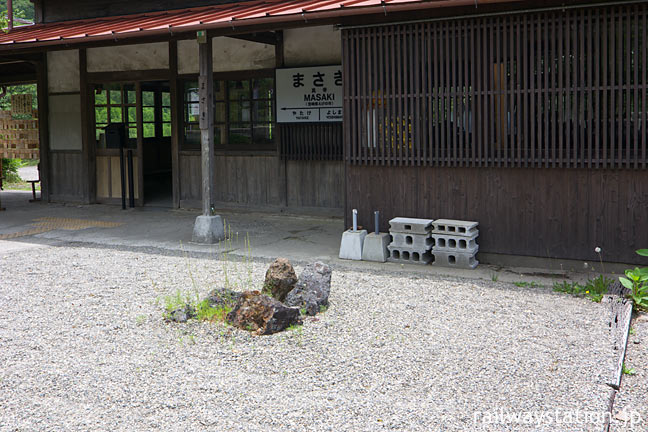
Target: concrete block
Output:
{"points": [[375, 247], [452, 243], [415, 241], [409, 256], [454, 259], [351, 245], [455, 227], [208, 229], [410, 225]]}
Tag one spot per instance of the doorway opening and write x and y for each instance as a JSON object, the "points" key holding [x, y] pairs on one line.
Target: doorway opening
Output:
{"points": [[156, 144]]}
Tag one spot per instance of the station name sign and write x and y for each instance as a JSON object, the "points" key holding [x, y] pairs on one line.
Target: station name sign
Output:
{"points": [[311, 94]]}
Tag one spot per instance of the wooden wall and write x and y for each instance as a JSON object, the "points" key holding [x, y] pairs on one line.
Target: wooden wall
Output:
{"points": [[67, 181], [549, 213], [260, 181]]}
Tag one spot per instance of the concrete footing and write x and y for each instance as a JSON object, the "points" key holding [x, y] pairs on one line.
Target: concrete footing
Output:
{"points": [[375, 247], [208, 229], [351, 245]]}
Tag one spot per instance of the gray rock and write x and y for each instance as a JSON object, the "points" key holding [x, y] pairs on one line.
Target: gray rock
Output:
{"points": [[262, 315], [312, 290], [181, 314], [280, 279], [223, 297]]}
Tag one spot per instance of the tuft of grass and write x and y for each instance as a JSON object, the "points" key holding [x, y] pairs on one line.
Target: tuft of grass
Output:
{"points": [[494, 277], [205, 312], [594, 289], [628, 371]]}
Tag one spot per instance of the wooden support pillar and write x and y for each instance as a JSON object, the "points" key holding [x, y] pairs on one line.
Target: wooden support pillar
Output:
{"points": [[206, 95], [42, 94], [176, 116]]}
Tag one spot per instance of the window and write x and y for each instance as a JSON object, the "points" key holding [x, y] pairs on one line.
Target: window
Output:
{"points": [[115, 103], [244, 116]]}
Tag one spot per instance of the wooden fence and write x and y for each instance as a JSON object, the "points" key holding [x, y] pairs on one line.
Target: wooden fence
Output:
{"points": [[19, 138], [548, 89], [312, 141]]}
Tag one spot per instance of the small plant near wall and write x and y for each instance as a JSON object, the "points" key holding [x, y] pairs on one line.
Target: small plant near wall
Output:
{"points": [[594, 289], [636, 280]]}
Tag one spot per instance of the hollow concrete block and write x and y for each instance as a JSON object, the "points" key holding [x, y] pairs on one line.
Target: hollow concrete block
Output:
{"points": [[455, 227], [410, 256], [456, 243], [454, 259], [352, 244], [414, 241], [410, 225]]}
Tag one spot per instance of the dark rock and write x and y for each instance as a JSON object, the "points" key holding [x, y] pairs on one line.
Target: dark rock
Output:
{"points": [[313, 289], [280, 279], [223, 297], [261, 314], [181, 314]]}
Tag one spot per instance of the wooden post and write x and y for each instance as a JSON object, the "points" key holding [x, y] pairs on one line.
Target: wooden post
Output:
{"points": [[176, 116], [206, 95], [42, 93]]}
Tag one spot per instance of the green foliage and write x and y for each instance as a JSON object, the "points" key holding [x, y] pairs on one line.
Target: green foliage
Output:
{"points": [[205, 312], [630, 371], [594, 289], [494, 277], [636, 281], [643, 252], [175, 301], [10, 170]]}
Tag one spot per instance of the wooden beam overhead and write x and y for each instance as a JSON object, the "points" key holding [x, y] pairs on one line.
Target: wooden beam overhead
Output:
{"points": [[268, 38]]}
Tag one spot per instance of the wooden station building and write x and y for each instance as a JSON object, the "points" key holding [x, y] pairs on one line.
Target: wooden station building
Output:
{"points": [[526, 116]]}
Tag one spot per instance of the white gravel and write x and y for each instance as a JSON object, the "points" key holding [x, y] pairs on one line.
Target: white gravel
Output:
{"points": [[83, 347]]}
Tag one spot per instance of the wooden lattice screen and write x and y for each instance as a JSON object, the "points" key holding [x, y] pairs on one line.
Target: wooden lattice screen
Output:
{"points": [[311, 141], [549, 89], [19, 138]]}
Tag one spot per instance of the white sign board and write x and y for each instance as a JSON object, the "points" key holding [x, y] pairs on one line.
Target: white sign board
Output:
{"points": [[312, 94]]}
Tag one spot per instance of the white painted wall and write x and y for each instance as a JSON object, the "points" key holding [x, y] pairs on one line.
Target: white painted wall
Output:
{"points": [[63, 71], [229, 55], [312, 46], [65, 122], [129, 57]]}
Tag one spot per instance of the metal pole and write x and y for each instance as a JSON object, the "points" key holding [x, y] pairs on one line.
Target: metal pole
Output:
{"points": [[123, 175], [131, 181], [377, 221], [355, 220]]}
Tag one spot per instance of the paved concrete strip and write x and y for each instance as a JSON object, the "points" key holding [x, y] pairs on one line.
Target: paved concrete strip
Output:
{"points": [[46, 224]]}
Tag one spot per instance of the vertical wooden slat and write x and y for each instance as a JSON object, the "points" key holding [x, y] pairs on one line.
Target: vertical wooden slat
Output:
{"points": [[533, 74], [452, 109], [546, 90], [466, 85], [520, 75], [644, 83], [474, 87], [627, 88], [598, 58], [560, 95], [436, 95], [490, 146], [636, 47]]}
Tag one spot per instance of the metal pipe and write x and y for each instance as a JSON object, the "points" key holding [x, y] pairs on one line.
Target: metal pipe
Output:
{"points": [[355, 220], [377, 221], [9, 15]]}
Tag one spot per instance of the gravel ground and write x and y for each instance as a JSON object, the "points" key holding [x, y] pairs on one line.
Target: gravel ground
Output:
{"points": [[631, 404], [83, 347]]}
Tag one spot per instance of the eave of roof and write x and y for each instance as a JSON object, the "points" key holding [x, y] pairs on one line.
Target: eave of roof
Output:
{"points": [[232, 17]]}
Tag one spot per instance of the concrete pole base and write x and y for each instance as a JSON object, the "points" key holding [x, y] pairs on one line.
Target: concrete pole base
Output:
{"points": [[375, 247], [208, 229], [351, 245]]}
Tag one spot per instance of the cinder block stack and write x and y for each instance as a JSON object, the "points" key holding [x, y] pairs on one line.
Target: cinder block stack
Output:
{"points": [[412, 240], [455, 243]]}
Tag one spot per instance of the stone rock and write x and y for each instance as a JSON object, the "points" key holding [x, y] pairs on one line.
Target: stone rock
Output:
{"points": [[181, 314], [261, 314], [223, 297], [280, 279], [313, 289]]}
